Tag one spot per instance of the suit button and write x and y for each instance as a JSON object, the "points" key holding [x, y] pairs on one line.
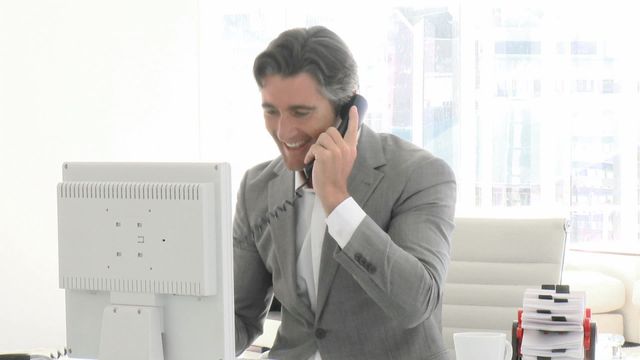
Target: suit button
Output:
{"points": [[372, 269], [360, 259], [321, 333]]}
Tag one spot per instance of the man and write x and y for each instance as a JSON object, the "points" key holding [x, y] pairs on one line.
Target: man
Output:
{"points": [[358, 255]]}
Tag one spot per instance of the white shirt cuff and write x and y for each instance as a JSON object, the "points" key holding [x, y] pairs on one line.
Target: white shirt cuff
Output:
{"points": [[343, 221]]}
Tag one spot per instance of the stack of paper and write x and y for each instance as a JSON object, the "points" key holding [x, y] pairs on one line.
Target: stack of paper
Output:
{"points": [[552, 321]]}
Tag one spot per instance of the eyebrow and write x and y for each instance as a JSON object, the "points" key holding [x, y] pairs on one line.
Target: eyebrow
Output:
{"points": [[266, 105]]}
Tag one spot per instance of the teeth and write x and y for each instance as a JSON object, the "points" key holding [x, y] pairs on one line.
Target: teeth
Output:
{"points": [[295, 144]]}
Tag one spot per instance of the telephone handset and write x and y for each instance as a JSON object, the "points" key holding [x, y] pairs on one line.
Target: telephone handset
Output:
{"points": [[361, 104]]}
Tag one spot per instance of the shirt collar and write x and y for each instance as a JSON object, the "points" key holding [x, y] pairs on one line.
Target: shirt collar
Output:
{"points": [[301, 180]]}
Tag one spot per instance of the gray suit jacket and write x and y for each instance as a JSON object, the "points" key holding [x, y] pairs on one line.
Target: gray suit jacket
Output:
{"points": [[378, 298]]}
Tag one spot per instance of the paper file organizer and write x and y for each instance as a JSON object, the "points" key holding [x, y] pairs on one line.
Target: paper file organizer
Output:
{"points": [[589, 329]]}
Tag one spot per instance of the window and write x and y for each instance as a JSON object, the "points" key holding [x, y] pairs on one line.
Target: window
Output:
{"points": [[518, 47], [609, 86], [584, 48], [533, 105], [584, 86]]}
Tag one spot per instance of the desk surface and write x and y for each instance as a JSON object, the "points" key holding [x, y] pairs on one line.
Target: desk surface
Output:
{"points": [[271, 328]]}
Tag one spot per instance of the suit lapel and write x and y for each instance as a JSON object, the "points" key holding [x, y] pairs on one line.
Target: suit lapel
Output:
{"points": [[283, 235], [363, 180]]}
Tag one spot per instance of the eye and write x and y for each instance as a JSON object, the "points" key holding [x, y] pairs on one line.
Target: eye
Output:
{"points": [[271, 112], [301, 113]]}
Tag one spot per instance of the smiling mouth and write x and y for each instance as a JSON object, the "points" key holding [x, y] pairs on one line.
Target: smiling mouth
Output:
{"points": [[294, 145]]}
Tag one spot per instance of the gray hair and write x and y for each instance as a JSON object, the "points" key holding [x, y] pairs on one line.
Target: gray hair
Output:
{"points": [[316, 51]]}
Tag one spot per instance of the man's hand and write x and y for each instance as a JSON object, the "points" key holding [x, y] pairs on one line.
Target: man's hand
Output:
{"points": [[334, 158]]}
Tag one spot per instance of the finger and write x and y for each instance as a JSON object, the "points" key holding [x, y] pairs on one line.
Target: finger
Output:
{"points": [[315, 151], [327, 145], [351, 137], [310, 156], [325, 142], [338, 139]]}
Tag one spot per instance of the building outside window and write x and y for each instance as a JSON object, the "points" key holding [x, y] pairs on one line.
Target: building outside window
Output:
{"points": [[532, 113]]}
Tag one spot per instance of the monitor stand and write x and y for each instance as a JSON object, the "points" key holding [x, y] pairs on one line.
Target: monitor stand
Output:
{"points": [[132, 332]]}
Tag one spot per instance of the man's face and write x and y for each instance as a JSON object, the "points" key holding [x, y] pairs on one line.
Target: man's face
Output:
{"points": [[295, 114]]}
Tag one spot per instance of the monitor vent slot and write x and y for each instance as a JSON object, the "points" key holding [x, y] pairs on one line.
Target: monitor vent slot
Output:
{"points": [[136, 286], [129, 190]]}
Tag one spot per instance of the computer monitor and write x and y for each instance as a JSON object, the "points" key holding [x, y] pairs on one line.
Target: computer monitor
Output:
{"points": [[146, 260]]}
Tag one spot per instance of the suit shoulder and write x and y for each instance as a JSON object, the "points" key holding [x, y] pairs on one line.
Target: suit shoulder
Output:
{"points": [[259, 168], [263, 172], [404, 156]]}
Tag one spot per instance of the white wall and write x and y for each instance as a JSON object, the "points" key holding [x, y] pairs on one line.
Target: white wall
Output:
{"points": [[91, 80]]}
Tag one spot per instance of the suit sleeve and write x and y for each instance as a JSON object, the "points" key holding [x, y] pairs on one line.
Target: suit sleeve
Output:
{"points": [[252, 282], [403, 269]]}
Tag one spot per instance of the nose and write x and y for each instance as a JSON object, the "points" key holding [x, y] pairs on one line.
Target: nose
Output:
{"points": [[286, 127]]}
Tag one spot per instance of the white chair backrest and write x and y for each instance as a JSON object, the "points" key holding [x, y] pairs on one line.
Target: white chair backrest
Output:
{"points": [[493, 261]]}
